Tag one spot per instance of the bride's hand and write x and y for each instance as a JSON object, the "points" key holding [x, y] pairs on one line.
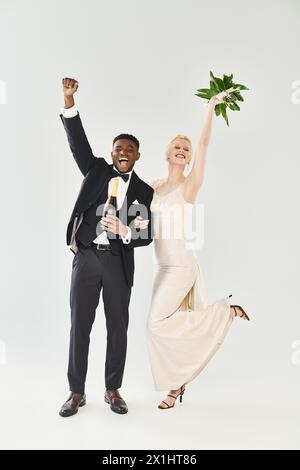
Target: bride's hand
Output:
{"points": [[219, 98], [140, 223]]}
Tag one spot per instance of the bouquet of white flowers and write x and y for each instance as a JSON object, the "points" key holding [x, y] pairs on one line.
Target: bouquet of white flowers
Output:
{"points": [[218, 85]]}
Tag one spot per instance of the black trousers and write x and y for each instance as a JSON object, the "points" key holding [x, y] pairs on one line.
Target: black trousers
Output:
{"points": [[92, 271]]}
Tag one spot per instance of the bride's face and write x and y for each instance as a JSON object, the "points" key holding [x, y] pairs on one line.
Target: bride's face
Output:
{"points": [[179, 152]]}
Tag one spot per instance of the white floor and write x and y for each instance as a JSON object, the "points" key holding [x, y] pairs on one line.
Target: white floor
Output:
{"points": [[215, 414], [246, 398]]}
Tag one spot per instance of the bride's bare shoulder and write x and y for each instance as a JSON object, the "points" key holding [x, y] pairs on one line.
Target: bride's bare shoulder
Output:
{"points": [[156, 183]]}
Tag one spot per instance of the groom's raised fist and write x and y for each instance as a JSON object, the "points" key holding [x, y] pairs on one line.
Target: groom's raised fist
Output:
{"points": [[70, 86]]}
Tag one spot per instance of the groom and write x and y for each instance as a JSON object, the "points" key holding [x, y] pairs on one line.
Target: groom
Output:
{"points": [[104, 258]]}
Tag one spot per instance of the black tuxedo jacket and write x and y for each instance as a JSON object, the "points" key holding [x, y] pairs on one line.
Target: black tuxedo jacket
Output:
{"points": [[96, 172]]}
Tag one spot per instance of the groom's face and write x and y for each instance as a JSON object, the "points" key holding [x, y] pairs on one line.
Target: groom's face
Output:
{"points": [[124, 155]]}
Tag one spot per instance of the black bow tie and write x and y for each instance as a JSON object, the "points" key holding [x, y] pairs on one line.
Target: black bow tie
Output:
{"points": [[124, 176]]}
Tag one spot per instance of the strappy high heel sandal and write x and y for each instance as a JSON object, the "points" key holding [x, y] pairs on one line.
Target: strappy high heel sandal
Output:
{"points": [[242, 310], [182, 390]]}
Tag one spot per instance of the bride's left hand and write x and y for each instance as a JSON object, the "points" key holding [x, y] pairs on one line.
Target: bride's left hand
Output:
{"points": [[219, 98]]}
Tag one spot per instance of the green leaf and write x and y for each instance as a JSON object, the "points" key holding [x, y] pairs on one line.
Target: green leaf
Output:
{"points": [[224, 112], [232, 98], [241, 87], [220, 83], [206, 93], [203, 90], [234, 106], [211, 75], [217, 109], [227, 79], [213, 87], [237, 95], [216, 83], [203, 95]]}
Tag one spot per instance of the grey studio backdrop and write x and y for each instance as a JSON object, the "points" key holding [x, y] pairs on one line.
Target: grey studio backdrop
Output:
{"points": [[138, 64]]}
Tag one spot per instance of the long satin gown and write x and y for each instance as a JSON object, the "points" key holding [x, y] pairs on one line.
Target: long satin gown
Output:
{"points": [[183, 332]]}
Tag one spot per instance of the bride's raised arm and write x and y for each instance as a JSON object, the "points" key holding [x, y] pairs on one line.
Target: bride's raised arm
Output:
{"points": [[196, 176]]}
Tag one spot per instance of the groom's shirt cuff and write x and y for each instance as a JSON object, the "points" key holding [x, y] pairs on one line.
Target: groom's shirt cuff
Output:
{"points": [[127, 238], [69, 112]]}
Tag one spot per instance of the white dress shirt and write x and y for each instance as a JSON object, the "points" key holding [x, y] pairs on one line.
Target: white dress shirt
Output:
{"points": [[122, 188]]}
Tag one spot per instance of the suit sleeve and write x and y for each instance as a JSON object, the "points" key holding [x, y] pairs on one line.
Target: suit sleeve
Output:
{"points": [[78, 143], [142, 237]]}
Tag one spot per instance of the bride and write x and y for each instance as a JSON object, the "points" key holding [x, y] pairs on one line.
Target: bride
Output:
{"points": [[183, 332]]}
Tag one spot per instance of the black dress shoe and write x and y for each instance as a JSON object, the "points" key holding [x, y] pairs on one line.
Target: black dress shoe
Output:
{"points": [[70, 407], [117, 404]]}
